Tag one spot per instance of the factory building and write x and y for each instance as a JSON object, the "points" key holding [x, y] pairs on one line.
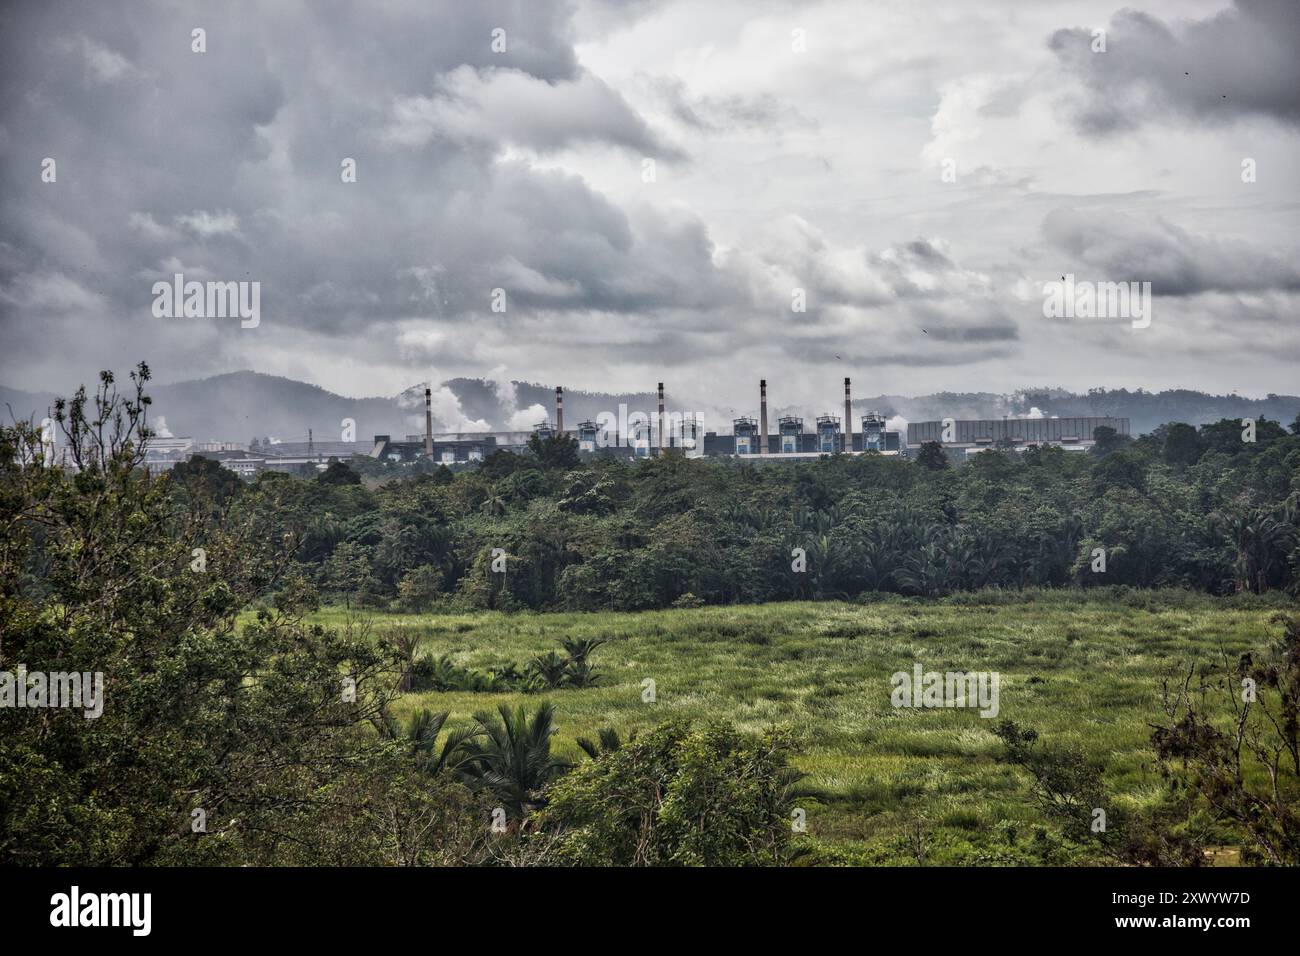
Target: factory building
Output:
{"points": [[828, 434], [831, 435], [790, 431], [964, 438], [639, 436], [745, 431], [447, 449], [873, 433]]}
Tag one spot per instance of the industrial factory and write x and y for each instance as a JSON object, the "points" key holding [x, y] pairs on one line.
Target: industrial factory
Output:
{"points": [[642, 435], [963, 438], [638, 434], [829, 435]]}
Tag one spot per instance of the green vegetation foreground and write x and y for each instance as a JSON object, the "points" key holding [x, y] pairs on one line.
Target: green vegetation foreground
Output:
{"points": [[236, 727], [881, 785]]}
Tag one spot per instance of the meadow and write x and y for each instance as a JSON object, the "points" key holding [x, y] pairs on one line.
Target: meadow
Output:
{"points": [[881, 785]]}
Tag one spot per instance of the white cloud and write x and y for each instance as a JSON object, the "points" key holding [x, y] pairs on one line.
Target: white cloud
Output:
{"points": [[149, 227], [104, 65], [45, 292], [206, 224]]}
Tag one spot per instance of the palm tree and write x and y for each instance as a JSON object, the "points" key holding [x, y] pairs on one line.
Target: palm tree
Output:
{"points": [[549, 669], [580, 650], [607, 741], [990, 558], [506, 677], [925, 572], [974, 562], [419, 738], [405, 643], [1261, 541], [510, 756], [580, 673], [443, 674], [880, 554], [824, 555]]}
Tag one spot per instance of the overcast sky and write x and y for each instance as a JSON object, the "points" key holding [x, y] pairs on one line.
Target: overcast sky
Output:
{"points": [[789, 145]]}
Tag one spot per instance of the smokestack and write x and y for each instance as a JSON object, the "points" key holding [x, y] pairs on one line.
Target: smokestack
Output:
{"points": [[428, 422], [661, 418], [559, 410], [762, 416], [848, 418]]}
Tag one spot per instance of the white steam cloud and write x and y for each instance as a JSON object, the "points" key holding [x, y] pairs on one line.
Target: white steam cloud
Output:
{"points": [[526, 418]]}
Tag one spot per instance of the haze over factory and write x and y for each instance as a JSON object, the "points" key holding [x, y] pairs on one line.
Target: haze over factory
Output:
{"points": [[637, 434]]}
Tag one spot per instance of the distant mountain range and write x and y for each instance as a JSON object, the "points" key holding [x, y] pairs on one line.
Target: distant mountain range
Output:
{"points": [[240, 406]]}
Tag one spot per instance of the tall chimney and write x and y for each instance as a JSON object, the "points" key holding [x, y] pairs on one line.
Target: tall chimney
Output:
{"points": [[428, 422], [661, 418], [762, 416], [848, 418], [559, 411]]}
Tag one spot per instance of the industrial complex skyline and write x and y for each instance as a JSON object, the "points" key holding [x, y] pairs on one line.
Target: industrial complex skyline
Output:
{"points": [[640, 434]]}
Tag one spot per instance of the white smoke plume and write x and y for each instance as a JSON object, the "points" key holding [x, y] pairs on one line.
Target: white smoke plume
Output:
{"points": [[504, 389], [448, 415], [526, 418], [512, 417]]}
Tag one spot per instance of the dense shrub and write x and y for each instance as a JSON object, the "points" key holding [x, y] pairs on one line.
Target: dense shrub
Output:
{"points": [[676, 796]]}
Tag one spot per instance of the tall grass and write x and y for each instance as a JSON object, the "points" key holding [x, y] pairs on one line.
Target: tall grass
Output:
{"points": [[1084, 668]]}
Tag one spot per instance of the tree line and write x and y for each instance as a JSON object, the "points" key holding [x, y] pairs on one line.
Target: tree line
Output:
{"points": [[1196, 508]]}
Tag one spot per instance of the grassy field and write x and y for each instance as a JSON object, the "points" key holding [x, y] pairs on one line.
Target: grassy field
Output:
{"points": [[882, 785]]}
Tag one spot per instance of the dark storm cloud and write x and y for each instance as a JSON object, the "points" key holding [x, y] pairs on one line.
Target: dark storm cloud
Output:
{"points": [[910, 301], [1116, 248], [915, 355], [226, 165], [1241, 62]]}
